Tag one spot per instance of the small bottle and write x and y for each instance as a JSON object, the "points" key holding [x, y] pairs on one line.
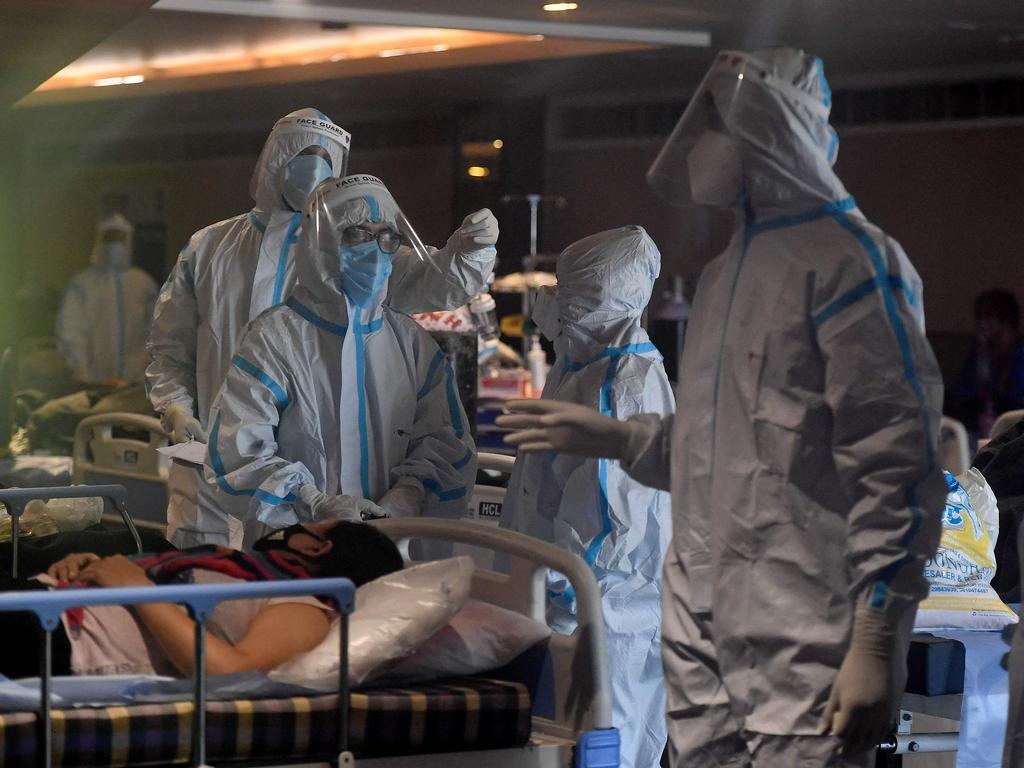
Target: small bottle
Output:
{"points": [[484, 311], [537, 362]]}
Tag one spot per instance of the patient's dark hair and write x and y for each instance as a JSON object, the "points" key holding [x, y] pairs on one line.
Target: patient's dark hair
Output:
{"points": [[359, 552]]}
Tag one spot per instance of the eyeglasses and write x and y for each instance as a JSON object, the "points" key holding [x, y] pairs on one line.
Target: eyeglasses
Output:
{"points": [[388, 241]]}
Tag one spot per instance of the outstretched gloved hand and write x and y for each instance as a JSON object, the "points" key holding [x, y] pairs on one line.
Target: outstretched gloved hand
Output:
{"points": [[182, 425], [478, 230], [314, 504], [405, 499], [552, 425], [862, 706]]}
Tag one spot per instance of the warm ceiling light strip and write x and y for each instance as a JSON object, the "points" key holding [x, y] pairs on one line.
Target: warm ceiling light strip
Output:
{"points": [[214, 62]]}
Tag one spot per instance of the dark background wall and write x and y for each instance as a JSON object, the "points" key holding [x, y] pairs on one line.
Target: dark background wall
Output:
{"points": [[949, 192]]}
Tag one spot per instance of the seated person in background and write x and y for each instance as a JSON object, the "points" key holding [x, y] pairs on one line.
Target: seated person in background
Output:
{"points": [[337, 406], [256, 634], [992, 379]]}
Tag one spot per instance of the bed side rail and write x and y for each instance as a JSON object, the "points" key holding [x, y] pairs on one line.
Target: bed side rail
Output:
{"points": [[200, 600], [15, 499], [587, 694]]}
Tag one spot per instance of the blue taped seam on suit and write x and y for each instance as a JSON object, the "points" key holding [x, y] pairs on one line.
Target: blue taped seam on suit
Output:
{"points": [[453, 400], [255, 221], [602, 469], [119, 292], [859, 292], [881, 588], [613, 352], [310, 316], [431, 372], [187, 266], [364, 440], [464, 460], [752, 230], [374, 209], [281, 399], [221, 475], [282, 260], [435, 488]]}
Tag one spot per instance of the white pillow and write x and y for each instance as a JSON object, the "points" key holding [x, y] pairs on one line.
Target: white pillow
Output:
{"points": [[394, 615], [479, 638]]}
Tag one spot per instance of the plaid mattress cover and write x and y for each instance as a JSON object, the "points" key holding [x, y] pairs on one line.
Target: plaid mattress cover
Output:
{"points": [[446, 716]]}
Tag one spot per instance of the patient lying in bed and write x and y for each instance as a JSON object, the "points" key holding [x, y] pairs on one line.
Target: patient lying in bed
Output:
{"points": [[257, 634]]}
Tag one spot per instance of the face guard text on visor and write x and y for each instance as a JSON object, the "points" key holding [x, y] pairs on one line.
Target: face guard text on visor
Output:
{"points": [[700, 162]]}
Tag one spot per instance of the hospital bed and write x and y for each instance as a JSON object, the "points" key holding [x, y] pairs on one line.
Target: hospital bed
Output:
{"points": [[550, 707], [123, 448]]}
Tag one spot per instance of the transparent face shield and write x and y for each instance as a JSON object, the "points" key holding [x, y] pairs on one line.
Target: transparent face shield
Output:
{"points": [[358, 211], [702, 130]]}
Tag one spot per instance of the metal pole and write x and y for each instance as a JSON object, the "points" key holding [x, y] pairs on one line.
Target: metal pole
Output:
{"points": [[45, 715], [534, 201], [343, 697], [199, 716], [15, 529]]}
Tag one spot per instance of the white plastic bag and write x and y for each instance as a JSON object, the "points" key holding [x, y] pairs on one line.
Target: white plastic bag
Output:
{"points": [[960, 573], [394, 615]]}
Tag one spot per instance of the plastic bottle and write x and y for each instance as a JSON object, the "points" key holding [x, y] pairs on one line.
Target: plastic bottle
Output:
{"points": [[537, 362], [484, 311]]}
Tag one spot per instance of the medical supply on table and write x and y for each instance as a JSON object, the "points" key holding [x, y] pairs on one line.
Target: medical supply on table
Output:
{"points": [[960, 573], [537, 363]]}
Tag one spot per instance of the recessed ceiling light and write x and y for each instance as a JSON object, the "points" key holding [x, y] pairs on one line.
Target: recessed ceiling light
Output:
{"points": [[497, 143], [478, 171], [126, 80], [559, 7]]}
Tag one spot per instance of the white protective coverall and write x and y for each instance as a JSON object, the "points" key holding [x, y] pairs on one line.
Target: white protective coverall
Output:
{"points": [[591, 507], [106, 310], [803, 473], [350, 399], [235, 269]]}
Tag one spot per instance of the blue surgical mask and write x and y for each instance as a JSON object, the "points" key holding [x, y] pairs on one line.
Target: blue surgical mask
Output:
{"points": [[364, 271], [301, 176]]}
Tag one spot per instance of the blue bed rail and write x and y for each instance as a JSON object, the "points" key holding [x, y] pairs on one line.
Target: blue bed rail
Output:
{"points": [[200, 600]]}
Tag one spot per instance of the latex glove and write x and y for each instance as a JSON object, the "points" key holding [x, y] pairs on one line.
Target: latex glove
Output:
{"points": [[478, 230], [552, 425], [862, 706], [405, 499], [182, 425], [316, 505]]}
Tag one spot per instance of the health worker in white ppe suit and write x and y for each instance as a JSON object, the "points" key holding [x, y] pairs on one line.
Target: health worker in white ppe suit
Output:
{"points": [[106, 310], [232, 271], [805, 493], [591, 507], [337, 405]]}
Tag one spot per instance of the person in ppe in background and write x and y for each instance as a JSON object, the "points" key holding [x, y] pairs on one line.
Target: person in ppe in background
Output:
{"points": [[590, 506], [336, 406], [106, 310], [805, 493], [235, 269]]}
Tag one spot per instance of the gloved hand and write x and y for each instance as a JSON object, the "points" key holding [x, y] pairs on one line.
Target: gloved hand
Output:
{"points": [[552, 425], [405, 499], [478, 230], [862, 706], [313, 504], [182, 425]]}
